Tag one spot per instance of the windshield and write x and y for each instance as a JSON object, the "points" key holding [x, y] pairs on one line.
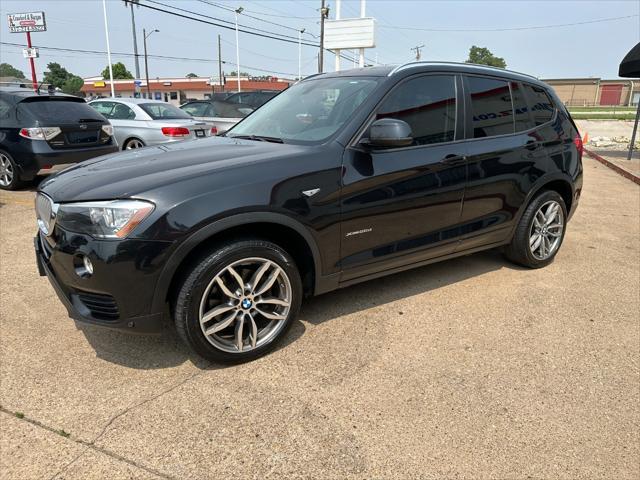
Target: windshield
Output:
{"points": [[162, 111], [310, 111]]}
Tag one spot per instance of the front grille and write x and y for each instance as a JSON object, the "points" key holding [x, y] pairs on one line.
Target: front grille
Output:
{"points": [[102, 307], [45, 213]]}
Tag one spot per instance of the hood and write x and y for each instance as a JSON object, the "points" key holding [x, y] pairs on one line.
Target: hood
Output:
{"points": [[133, 172]]}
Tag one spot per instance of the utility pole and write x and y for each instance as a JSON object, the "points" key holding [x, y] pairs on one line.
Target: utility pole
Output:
{"points": [[324, 13], [337, 51], [135, 39], [417, 50], [220, 79], [238, 12]]}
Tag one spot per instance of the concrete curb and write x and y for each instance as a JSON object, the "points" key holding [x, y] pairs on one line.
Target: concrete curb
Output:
{"points": [[634, 178]]}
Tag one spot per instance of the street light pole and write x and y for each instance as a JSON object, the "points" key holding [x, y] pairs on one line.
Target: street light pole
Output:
{"points": [[238, 12], [146, 61], [300, 32]]}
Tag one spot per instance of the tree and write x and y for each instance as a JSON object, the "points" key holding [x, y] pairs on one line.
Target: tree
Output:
{"points": [[483, 56], [192, 75], [7, 70], [58, 76], [120, 72]]}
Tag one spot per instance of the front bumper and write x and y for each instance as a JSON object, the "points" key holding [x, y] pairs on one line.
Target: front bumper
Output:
{"points": [[119, 294]]}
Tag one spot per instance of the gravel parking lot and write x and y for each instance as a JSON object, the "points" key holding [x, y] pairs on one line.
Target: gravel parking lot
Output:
{"points": [[470, 368]]}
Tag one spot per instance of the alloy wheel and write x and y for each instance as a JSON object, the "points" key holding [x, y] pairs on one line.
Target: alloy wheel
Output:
{"points": [[6, 170], [245, 305], [134, 143], [546, 230]]}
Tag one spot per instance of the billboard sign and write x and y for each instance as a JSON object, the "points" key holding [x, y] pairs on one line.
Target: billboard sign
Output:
{"points": [[27, 22], [349, 33]]}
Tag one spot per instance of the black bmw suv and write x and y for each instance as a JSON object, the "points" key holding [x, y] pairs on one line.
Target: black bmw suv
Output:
{"points": [[342, 178], [39, 131]]}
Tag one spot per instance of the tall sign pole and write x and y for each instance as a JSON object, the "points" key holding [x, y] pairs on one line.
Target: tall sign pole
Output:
{"points": [[238, 12], [34, 80], [106, 32], [337, 52], [220, 79], [27, 23], [323, 15]]}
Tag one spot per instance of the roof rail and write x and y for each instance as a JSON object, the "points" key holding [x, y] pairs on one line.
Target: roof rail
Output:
{"points": [[414, 63]]}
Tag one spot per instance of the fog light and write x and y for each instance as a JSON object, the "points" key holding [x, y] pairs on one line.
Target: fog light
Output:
{"points": [[88, 266]]}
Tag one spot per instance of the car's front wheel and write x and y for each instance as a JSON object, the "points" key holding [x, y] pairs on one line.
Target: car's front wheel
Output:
{"points": [[238, 300], [540, 231]]}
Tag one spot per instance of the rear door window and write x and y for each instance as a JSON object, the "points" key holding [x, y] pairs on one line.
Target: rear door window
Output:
{"points": [[522, 114], [491, 108], [196, 109], [103, 108], [122, 112], [542, 108], [53, 111], [427, 104]]}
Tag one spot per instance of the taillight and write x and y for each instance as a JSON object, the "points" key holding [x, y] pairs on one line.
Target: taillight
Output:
{"points": [[40, 133], [175, 132], [579, 145], [214, 130]]}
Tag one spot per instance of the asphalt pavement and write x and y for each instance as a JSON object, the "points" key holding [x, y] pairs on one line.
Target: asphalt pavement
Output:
{"points": [[471, 368]]}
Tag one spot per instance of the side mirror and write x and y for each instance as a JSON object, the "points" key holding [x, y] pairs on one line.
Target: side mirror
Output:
{"points": [[390, 132]]}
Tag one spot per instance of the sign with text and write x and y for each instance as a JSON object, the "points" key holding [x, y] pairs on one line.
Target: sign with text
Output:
{"points": [[27, 22], [30, 53]]}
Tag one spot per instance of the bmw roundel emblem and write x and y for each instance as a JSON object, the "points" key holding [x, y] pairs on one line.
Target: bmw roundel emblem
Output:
{"points": [[246, 304]]}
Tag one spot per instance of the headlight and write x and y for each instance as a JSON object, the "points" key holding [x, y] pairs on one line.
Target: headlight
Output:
{"points": [[108, 129], [109, 219]]}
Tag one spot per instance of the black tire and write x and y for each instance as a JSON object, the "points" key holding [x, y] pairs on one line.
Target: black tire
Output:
{"points": [[186, 306], [519, 251], [16, 182], [125, 145]]}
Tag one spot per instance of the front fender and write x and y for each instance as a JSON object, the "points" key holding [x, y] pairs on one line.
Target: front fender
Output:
{"points": [[208, 231]]}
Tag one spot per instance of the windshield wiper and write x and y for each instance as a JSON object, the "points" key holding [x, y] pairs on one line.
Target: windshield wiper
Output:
{"points": [[258, 138]]}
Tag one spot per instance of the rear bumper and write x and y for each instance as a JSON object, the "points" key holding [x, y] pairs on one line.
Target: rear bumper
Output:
{"points": [[41, 157], [126, 307]]}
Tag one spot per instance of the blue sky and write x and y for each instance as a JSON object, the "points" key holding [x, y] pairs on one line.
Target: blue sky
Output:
{"points": [[592, 49]]}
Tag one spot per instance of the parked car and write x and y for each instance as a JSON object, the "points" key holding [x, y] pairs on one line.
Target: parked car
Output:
{"points": [[253, 99], [40, 132], [138, 122], [222, 115], [343, 178]]}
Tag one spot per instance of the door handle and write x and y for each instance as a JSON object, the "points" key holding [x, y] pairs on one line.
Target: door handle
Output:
{"points": [[454, 159]]}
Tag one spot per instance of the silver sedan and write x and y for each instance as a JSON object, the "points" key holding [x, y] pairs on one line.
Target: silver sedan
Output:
{"points": [[138, 122]]}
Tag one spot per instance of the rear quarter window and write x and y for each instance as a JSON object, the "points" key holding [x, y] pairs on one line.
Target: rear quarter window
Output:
{"points": [[542, 108], [491, 108], [54, 111]]}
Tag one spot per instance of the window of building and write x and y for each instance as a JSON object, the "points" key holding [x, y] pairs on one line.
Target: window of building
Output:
{"points": [[427, 104], [491, 109]]}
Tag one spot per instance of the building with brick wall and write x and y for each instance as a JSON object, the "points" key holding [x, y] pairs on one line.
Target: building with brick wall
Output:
{"points": [[178, 90], [596, 91]]}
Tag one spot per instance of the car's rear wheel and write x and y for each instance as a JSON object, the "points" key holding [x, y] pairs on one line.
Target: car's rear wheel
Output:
{"points": [[540, 232], [9, 174], [133, 143], [238, 300]]}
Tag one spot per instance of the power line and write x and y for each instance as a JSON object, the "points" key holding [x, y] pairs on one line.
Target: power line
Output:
{"points": [[263, 33], [511, 29], [160, 57], [228, 9]]}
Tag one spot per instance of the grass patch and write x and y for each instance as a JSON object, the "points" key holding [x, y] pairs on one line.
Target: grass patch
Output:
{"points": [[588, 116], [607, 108], [19, 414], [63, 433]]}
